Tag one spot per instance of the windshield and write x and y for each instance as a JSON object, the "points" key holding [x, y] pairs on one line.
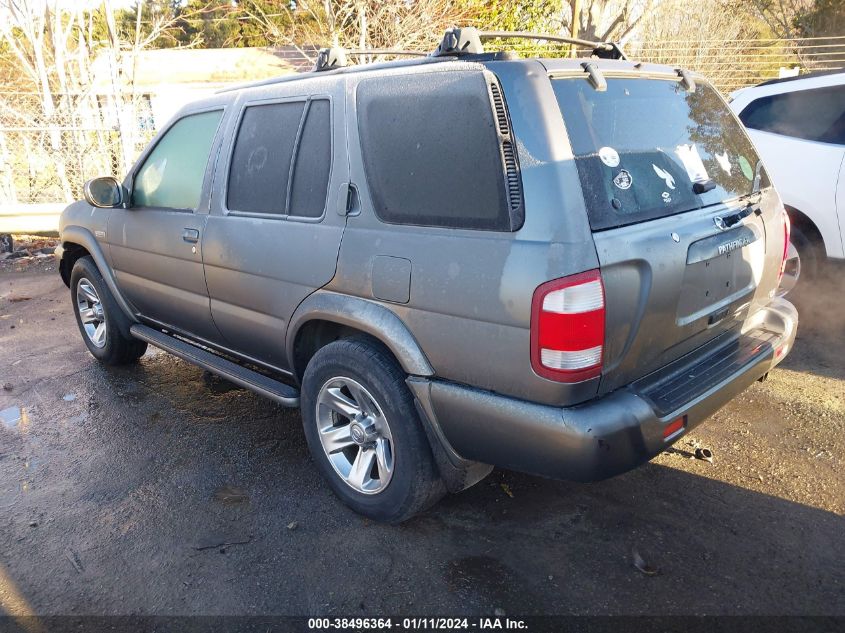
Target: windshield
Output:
{"points": [[648, 148]]}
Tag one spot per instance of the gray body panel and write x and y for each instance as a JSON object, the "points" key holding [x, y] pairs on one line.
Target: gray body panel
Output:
{"points": [[662, 303], [470, 291], [259, 268], [454, 305], [159, 272], [604, 437]]}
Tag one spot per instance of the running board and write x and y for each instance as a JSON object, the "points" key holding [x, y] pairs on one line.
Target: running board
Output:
{"points": [[259, 383]]}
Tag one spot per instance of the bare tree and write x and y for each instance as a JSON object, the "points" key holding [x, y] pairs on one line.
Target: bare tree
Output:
{"points": [[366, 24], [604, 20], [706, 37], [37, 51], [53, 106], [780, 15]]}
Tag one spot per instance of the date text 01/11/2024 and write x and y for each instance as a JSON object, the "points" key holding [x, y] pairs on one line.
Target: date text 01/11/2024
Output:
{"points": [[417, 624]]}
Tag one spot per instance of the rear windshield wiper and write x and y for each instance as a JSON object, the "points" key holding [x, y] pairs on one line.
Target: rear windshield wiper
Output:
{"points": [[758, 168], [703, 186], [750, 199]]}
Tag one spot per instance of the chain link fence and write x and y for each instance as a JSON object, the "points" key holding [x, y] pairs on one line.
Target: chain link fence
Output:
{"points": [[736, 63], [729, 64], [48, 149]]}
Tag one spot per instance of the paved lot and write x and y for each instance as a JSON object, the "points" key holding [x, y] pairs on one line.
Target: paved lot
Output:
{"points": [[156, 489]]}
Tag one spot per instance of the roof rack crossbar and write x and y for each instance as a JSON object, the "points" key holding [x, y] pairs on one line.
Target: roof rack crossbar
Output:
{"points": [[609, 50], [335, 57], [467, 40], [489, 35], [386, 51]]}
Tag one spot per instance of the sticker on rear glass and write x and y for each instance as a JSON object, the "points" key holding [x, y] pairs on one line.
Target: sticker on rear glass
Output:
{"points": [[609, 156], [623, 179], [667, 197], [665, 175], [724, 162], [745, 166], [692, 162]]}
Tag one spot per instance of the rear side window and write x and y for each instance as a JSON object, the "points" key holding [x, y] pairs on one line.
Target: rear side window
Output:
{"points": [[311, 171], [643, 145], [171, 176], [258, 177], [432, 153], [282, 159], [813, 115]]}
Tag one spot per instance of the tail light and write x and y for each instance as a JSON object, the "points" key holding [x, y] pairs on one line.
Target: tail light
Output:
{"points": [[567, 328], [786, 231]]}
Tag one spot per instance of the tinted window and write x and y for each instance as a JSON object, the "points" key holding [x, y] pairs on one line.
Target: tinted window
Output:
{"points": [[641, 145], [814, 115], [258, 176], [431, 151], [313, 162], [172, 174]]}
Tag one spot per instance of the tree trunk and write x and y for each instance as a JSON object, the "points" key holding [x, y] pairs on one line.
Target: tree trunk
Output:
{"points": [[124, 127]]}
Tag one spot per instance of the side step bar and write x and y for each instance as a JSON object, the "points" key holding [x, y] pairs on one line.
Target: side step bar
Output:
{"points": [[259, 383]]}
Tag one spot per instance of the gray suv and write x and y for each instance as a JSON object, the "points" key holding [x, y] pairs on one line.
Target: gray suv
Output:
{"points": [[557, 266]]}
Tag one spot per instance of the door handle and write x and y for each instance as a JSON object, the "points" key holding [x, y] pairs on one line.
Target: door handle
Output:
{"points": [[191, 235]]}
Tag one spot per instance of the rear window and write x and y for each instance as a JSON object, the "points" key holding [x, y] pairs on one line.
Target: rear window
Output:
{"points": [[643, 144]]}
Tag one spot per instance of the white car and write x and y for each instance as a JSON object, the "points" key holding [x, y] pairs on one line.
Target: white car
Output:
{"points": [[798, 127]]}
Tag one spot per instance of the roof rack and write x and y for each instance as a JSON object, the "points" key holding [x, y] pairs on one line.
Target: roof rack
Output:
{"points": [[467, 41], [335, 57]]}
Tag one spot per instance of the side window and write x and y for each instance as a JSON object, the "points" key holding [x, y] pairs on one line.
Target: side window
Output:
{"points": [[814, 115], [431, 151], [313, 162], [258, 176], [172, 175], [264, 176]]}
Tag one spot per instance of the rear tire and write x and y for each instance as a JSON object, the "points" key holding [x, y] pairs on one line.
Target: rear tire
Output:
{"points": [[101, 322], [364, 432]]}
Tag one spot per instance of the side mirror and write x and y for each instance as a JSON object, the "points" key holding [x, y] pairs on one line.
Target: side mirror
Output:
{"points": [[104, 192]]}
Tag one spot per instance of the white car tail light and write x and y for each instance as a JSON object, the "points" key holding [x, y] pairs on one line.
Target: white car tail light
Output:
{"points": [[567, 328], [786, 232]]}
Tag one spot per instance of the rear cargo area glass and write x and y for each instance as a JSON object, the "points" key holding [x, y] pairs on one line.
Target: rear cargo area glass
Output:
{"points": [[643, 144]]}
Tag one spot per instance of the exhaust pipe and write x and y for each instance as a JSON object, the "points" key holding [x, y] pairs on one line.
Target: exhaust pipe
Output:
{"points": [[791, 271]]}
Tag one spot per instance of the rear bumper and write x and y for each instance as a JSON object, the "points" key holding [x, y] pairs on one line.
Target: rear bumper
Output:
{"points": [[617, 432]]}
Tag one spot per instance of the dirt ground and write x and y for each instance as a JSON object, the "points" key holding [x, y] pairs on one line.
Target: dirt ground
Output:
{"points": [[156, 489]]}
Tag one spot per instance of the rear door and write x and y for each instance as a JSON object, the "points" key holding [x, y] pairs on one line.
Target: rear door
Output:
{"points": [[274, 231], [686, 252]]}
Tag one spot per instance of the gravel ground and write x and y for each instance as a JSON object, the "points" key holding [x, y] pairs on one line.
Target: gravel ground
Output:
{"points": [[157, 489]]}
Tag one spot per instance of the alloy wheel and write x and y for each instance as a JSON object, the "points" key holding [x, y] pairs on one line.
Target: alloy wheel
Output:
{"points": [[355, 435], [91, 313]]}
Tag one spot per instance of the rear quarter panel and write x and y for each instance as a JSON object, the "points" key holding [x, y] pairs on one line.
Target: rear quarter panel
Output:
{"points": [[470, 291]]}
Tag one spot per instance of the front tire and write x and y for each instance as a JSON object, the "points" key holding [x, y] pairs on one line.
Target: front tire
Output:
{"points": [[364, 433], [100, 320]]}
